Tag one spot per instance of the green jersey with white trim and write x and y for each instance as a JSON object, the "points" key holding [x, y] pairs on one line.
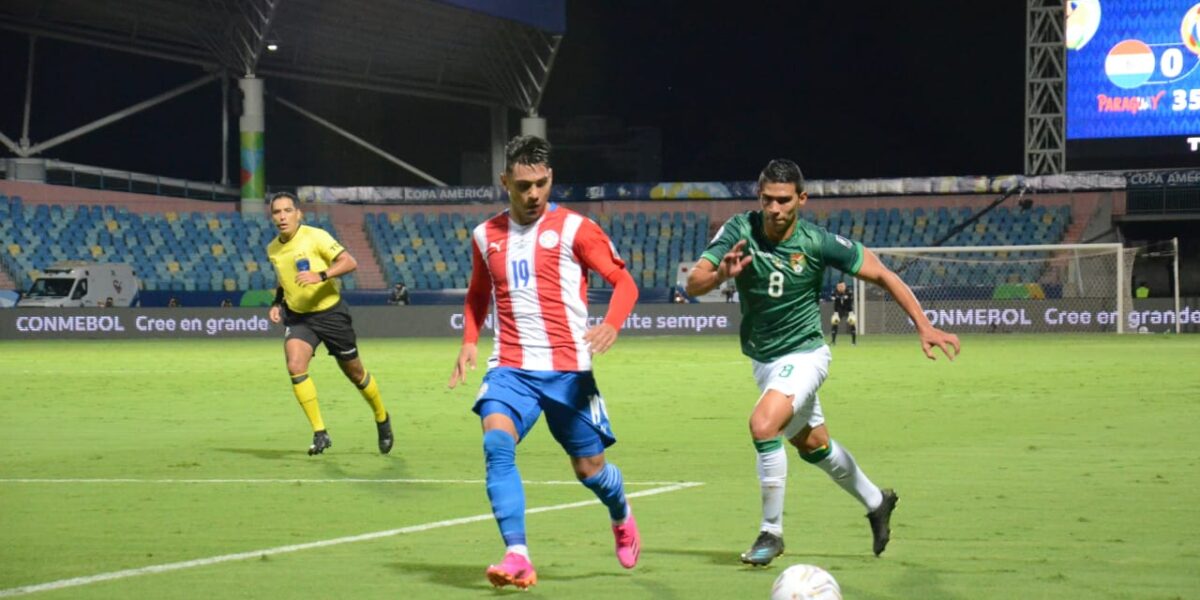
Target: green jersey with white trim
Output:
{"points": [[780, 289]]}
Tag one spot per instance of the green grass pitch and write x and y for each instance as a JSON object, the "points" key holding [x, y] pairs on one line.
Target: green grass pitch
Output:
{"points": [[1032, 467]]}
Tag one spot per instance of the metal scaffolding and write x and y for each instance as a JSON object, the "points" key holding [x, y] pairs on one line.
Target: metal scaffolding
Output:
{"points": [[1045, 89]]}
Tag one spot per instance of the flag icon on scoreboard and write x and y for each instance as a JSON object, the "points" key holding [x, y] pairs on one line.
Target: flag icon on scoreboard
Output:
{"points": [[1129, 64]]}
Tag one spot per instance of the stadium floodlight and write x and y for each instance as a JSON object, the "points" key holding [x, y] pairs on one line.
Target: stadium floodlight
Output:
{"points": [[999, 289]]}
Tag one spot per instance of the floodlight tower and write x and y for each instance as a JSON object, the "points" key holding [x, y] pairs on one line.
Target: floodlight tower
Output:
{"points": [[1045, 89]]}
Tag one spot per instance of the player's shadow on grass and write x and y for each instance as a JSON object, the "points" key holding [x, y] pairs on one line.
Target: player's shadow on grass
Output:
{"points": [[472, 577], [716, 557], [464, 577], [732, 558], [265, 453]]}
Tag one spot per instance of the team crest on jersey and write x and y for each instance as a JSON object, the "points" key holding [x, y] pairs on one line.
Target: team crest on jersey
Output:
{"points": [[548, 239], [798, 262]]}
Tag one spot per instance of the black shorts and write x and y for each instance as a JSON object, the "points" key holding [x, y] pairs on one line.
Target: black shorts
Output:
{"points": [[332, 326]]}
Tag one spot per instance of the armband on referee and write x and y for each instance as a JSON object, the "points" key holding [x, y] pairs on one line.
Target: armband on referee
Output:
{"points": [[278, 297]]}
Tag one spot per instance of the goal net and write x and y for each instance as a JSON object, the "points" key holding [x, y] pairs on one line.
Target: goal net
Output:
{"points": [[1034, 289]]}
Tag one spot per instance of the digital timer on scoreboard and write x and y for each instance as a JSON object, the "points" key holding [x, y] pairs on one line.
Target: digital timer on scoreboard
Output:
{"points": [[1133, 83]]}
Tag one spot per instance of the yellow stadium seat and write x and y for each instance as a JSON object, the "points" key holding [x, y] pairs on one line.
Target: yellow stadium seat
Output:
{"points": [[461, 234], [173, 266], [922, 220], [399, 258], [14, 249], [111, 225], [439, 266], [251, 266], [218, 250], [417, 242], [393, 217], [230, 285], [172, 217], [97, 251], [213, 224], [856, 231], [981, 228]]}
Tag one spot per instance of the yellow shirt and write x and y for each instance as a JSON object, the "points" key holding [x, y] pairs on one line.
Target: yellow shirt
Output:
{"points": [[319, 249]]}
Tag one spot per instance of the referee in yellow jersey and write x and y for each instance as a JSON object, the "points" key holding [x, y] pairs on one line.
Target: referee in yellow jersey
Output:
{"points": [[307, 260]]}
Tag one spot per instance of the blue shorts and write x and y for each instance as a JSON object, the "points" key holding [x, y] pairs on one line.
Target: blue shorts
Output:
{"points": [[574, 408]]}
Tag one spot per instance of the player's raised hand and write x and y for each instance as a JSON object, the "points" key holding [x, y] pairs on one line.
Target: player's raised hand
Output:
{"points": [[600, 338], [734, 261], [466, 360], [275, 314], [936, 337]]}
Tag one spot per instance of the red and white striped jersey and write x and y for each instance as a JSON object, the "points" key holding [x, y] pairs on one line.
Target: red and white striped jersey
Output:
{"points": [[538, 279]]}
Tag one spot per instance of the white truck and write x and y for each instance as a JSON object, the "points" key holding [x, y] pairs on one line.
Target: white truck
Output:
{"points": [[77, 284]]}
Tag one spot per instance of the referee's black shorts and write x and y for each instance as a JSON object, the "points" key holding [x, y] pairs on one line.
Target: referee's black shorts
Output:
{"points": [[332, 326]]}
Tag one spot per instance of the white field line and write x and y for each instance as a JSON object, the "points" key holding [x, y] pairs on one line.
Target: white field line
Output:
{"points": [[292, 481], [212, 560]]}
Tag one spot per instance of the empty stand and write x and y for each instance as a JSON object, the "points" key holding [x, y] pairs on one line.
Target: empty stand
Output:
{"points": [[196, 251], [206, 251]]}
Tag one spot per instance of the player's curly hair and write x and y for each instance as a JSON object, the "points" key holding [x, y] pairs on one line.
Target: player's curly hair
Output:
{"points": [[526, 150], [782, 170]]}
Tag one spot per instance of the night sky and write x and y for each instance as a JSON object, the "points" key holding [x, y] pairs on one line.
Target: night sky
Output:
{"points": [[848, 90]]}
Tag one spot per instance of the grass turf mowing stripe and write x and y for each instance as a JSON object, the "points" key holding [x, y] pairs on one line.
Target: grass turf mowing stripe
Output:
{"points": [[341, 480], [212, 560]]}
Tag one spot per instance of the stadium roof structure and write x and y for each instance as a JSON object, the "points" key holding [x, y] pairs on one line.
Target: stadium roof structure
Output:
{"points": [[482, 52]]}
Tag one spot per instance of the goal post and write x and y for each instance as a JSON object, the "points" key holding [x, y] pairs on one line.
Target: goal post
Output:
{"points": [[998, 289]]}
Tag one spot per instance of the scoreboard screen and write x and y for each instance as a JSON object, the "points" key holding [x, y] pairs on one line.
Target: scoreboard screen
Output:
{"points": [[1133, 84]]}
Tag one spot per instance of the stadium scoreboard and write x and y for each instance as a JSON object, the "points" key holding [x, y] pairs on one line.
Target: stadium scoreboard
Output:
{"points": [[1132, 84]]}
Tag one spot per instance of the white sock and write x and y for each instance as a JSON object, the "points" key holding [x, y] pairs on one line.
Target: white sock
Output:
{"points": [[772, 478], [521, 549], [844, 471]]}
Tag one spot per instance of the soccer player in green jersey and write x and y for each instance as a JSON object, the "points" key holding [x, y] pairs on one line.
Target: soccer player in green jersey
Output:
{"points": [[778, 262]]}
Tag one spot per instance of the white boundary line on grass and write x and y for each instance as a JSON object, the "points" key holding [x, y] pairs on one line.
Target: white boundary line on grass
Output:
{"points": [[212, 560], [339, 480]]}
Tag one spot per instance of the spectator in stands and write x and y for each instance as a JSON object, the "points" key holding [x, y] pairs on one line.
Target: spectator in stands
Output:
{"points": [[677, 296], [399, 295], [108, 302], [308, 302], [779, 262], [173, 302], [729, 290], [1143, 291], [226, 303]]}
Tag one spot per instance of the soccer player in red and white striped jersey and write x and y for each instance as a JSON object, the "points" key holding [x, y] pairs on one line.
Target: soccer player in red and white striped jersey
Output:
{"points": [[532, 261]]}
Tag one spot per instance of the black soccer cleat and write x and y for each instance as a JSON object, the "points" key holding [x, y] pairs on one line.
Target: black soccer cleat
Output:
{"points": [[880, 519], [764, 550], [385, 435], [320, 442]]}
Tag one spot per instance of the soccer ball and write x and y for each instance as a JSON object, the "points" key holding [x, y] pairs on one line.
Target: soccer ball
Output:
{"points": [[805, 582]]}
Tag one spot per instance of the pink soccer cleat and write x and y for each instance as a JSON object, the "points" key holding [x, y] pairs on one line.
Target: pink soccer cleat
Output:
{"points": [[515, 569], [629, 542]]}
